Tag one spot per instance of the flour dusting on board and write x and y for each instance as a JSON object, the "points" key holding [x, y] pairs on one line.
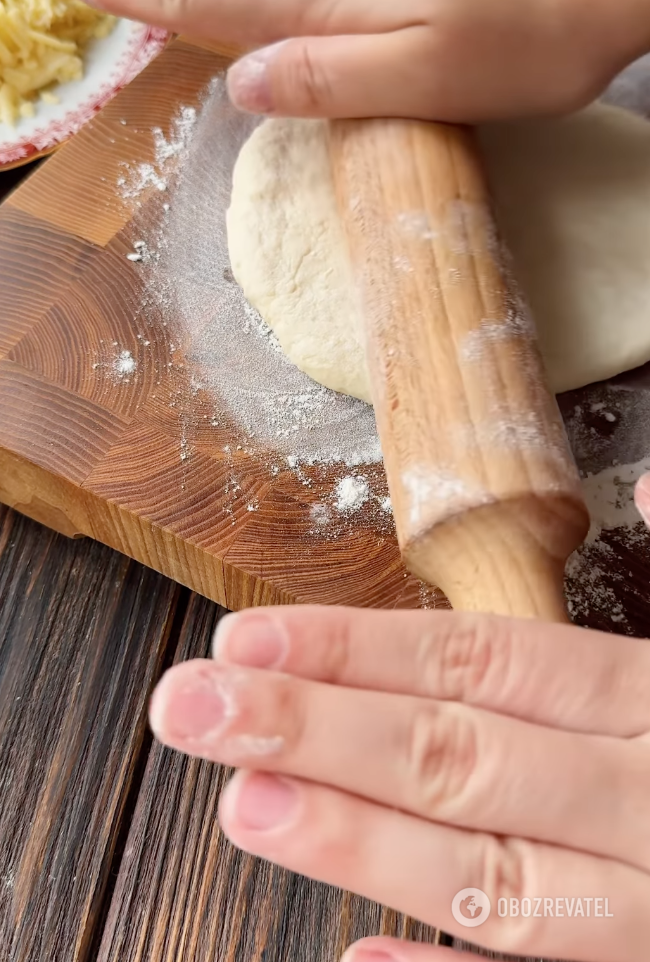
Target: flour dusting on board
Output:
{"points": [[168, 151], [292, 424], [125, 364], [278, 410], [351, 493]]}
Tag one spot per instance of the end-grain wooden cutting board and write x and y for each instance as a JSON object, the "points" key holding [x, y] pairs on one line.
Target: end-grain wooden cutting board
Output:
{"points": [[95, 457]]}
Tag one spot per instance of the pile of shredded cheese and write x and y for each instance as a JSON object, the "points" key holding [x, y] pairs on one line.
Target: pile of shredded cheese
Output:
{"points": [[42, 44]]}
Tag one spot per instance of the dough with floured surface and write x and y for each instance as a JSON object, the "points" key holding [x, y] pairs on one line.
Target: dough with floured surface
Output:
{"points": [[287, 251], [572, 199]]}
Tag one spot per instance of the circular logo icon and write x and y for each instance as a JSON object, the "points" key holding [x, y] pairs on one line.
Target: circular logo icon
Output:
{"points": [[471, 907]]}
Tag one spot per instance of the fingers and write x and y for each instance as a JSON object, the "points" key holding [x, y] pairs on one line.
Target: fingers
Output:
{"points": [[443, 762], [451, 61], [249, 22], [642, 498], [256, 22], [341, 76], [548, 674], [418, 867]]}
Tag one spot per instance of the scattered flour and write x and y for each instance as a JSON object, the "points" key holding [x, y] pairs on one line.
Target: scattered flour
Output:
{"points": [[351, 493], [277, 410], [320, 515], [233, 356], [590, 584], [255, 744], [190, 291], [431, 598], [609, 496], [125, 364], [597, 582], [168, 151], [142, 253]]}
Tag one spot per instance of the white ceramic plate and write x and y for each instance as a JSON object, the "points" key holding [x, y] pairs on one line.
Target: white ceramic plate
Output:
{"points": [[110, 64]]}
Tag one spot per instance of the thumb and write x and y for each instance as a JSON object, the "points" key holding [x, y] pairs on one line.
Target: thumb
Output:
{"points": [[341, 76]]}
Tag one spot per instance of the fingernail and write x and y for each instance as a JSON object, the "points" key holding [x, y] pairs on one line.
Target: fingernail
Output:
{"points": [[255, 641], [642, 497], [249, 85], [191, 708], [367, 955], [266, 802]]}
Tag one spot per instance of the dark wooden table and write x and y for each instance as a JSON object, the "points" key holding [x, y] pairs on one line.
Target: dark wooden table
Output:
{"points": [[109, 844]]}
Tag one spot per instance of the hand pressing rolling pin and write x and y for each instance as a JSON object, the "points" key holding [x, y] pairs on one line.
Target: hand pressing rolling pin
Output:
{"points": [[452, 60], [409, 756]]}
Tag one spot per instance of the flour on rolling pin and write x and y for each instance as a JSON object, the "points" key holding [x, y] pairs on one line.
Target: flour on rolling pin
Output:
{"points": [[517, 324], [415, 223], [427, 490], [189, 290]]}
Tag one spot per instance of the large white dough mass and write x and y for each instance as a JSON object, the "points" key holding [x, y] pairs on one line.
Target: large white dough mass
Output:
{"points": [[572, 200]]}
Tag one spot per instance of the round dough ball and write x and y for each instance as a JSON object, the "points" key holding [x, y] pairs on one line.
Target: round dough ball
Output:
{"points": [[287, 252], [572, 200]]}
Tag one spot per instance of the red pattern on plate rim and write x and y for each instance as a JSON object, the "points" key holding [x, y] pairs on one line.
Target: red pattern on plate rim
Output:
{"points": [[141, 49]]}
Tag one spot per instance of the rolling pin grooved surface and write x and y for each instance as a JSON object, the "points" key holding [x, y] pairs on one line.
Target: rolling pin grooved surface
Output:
{"points": [[485, 493]]}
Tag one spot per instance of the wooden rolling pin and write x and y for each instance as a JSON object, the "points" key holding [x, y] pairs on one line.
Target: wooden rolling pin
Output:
{"points": [[485, 492]]}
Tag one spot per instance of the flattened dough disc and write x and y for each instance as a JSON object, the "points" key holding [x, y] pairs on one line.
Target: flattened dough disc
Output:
{"points": [[572, 199]]}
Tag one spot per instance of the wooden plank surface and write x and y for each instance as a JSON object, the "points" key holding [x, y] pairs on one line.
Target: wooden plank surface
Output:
{"points": [[83, 636], [184, 893], [109, 845], [135, 463]]}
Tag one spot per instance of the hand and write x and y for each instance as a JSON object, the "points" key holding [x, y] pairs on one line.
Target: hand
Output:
{"points": [[450, 60], [409, 755]]}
